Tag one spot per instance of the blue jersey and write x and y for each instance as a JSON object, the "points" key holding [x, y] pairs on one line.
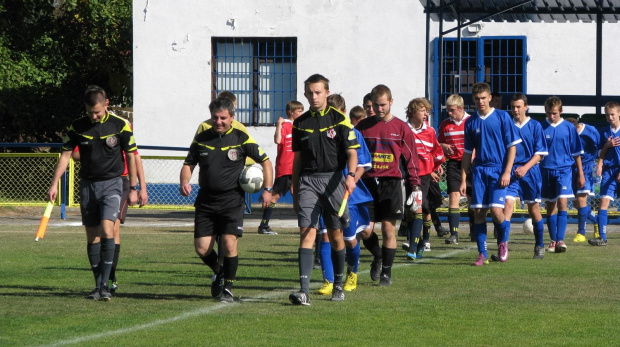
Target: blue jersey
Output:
{"points": [[590, 140], [361, 193], [612, 157], [563, 145], [533, 141], [490, 136]]}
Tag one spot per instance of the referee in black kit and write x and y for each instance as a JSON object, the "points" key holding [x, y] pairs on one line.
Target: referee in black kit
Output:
{"points": [[220, 152], [324, 143]]}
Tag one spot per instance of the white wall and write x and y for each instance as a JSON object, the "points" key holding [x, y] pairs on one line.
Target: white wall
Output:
{"points": [[357, 44]]}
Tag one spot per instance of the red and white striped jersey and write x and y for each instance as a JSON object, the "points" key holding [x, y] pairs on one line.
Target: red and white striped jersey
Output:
{"points": [[429, 151], [452, 133]]}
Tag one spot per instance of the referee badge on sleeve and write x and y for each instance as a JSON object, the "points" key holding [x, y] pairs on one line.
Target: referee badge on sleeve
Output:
{"points": [[234, 154]]}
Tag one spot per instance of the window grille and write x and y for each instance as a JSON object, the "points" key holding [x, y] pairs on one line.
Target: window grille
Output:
{"points": [[261, 72]]}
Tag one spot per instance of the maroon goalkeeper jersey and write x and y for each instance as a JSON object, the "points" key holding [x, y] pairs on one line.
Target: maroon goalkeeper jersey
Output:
{"points": [[390, 143]]}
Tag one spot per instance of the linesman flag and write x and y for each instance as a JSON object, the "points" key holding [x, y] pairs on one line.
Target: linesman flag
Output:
{"points": [[43, 224]]}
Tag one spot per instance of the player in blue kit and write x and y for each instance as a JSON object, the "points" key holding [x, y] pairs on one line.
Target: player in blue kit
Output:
{"points": [[590, 139], [526, 180], [556, 168], [608, 168], [492, 135]]}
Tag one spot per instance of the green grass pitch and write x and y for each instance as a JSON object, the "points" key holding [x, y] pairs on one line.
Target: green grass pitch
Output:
{"points": [[565, 299]]}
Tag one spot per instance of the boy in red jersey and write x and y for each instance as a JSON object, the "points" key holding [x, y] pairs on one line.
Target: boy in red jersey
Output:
{"points": [[284, 161], [452, 140], [430, 156], [389, 141]]}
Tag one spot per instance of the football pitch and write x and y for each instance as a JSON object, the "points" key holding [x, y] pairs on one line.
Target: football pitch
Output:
{"points": [[164, 294]]}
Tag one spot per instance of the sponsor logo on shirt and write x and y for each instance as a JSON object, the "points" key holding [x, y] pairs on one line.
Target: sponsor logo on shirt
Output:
{"points": [[383, 157]]}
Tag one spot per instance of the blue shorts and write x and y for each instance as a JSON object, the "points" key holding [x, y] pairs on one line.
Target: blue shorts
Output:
{"points": [[528, 187], [359, 219], [486, 190], [609, 183], [557, 184], [588, 188]]}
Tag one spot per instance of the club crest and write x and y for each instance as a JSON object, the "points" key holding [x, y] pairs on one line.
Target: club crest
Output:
{"points": [[331, 133]]}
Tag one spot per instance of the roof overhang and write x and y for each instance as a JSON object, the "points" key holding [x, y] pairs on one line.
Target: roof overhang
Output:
{"points": [[523, 10]]}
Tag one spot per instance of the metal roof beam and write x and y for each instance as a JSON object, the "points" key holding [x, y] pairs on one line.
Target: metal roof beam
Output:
{"points": [[485, 17]]}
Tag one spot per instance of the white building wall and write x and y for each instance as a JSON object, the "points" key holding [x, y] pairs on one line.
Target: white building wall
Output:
{"points": [[356, 44]]}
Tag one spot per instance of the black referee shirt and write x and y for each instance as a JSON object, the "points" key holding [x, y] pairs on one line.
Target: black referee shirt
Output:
{"points": [[322, 138], [101, 145], [221, 158]]}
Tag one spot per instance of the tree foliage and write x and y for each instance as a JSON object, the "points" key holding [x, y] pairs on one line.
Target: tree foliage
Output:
{"points": [[50, 50]]}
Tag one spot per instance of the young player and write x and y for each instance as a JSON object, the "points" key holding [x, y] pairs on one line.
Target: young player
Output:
{"points": [[556, 168], [590, 138], [356, 114], [324, 144], [492, 135], [367, 104], [430, 157], [284, 162], [389, 140], [359, 219], [608, 168], [526, 179], [102, 137], [452, 140], [220, 154]]}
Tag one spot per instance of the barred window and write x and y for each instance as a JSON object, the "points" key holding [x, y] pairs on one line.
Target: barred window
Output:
{"points": [[498, 60], [261, 72]]}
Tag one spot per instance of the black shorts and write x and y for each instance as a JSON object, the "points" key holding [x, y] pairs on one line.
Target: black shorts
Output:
{"points": [[124, 199], [218, 215], [388, 198], [453, 177], [282, 185], [435, 199], [100, 200]]}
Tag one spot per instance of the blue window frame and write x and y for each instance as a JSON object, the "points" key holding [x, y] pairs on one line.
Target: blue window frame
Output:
{"points": [[261, 72], [500, 61]]}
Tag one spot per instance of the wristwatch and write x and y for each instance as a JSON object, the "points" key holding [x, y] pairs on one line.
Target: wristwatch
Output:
{"points": [[270, 190], [133, 187], [352, 174]]}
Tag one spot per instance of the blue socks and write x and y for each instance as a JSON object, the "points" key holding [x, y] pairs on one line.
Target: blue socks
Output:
{"points": [[562, 221], [552, 225], [602, 224], [582, 217], [353, 258], [481, 238], [326, 261], [539, 230]]}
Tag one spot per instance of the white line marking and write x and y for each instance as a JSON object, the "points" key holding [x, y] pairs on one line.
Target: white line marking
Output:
{"points": [[216, 307]]}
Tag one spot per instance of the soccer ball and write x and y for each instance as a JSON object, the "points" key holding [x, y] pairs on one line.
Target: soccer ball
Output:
{"points": [[251, 179], [528, 227]]}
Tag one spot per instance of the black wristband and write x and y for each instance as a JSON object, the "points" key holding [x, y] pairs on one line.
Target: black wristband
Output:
{"points": [[133, 187]]}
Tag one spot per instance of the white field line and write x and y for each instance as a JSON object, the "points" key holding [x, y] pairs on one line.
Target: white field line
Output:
{"points": [[208, 310]]}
